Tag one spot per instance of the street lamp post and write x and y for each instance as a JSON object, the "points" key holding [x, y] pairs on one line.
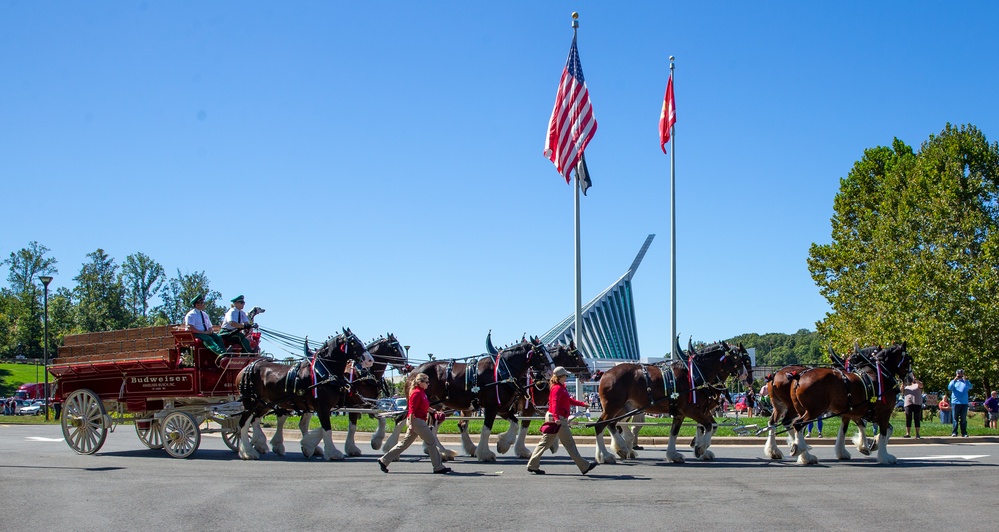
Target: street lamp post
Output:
{"points": [[46, 279]]}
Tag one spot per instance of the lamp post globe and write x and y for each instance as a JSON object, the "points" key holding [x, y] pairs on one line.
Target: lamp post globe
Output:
{"points": [[46, 279]]}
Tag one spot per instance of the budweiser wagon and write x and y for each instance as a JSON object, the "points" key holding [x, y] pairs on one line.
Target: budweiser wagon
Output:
{"points": [[163, 379]]}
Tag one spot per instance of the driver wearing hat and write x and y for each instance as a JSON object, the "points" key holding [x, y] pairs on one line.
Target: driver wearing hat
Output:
{"points": [[197, 321], [235, 322]]}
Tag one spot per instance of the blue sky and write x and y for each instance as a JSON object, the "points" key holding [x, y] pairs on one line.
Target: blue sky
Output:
{"points": [[379, 165]]}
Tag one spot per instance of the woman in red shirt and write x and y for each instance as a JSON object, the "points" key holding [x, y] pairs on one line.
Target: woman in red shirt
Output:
{"points": [[559, 405], [419, 408]]}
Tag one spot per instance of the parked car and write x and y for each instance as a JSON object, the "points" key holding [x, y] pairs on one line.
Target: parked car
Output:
{"points": [[28, 408], [396, 404]]}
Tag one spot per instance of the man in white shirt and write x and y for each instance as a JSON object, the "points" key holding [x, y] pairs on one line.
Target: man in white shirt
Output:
{"points": [[235, 322], [197, 321]]}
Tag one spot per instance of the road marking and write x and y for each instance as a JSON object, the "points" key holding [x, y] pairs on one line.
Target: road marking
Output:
{"points": [[39, 438], [947, 457]]}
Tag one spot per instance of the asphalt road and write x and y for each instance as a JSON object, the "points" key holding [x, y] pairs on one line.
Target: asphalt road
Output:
{"points": [[44, 485]]}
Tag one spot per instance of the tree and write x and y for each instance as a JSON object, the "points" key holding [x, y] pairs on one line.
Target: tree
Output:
{"points": [[101, 295], [23, 312], [142, 278], [179, 292], [914, 254]]}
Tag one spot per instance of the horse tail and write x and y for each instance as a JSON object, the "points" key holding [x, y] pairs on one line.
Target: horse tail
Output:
{"points": [[769, 377], [793, 376]]}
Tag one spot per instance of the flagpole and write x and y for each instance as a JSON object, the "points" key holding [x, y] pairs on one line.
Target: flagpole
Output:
{"points": [[672, 225], [578, 335]]}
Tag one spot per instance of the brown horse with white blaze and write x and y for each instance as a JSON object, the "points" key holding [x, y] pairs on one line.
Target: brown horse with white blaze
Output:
{"points": [[314, 385], [682, 390], [866, 393], [493, 383]]}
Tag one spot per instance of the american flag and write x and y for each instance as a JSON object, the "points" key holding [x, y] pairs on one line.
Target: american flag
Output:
{"points": [[572, 124], [668, 116]]}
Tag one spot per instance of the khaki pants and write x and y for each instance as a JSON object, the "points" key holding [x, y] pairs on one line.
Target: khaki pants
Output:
{"points": [[564, 435], [417, 427]]}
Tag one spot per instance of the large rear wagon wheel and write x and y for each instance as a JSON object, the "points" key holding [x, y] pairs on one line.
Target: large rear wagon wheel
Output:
{"points": [[149, 432], [84, 422], [181, 436]]}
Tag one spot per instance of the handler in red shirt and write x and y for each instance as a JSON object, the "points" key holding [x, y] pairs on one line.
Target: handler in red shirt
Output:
{"points": [[419, 408], [559, 405]]}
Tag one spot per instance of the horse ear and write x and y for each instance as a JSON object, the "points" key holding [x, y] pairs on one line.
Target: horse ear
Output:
{"points": [[572, 344], [306, 346], [690, 344], [676, 345]]}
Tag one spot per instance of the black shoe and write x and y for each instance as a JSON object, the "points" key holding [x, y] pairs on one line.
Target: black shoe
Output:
{"points": [[537, 471], [443, 471], [588, 469], [383, 466], [638, 448], [906, 436], [964, 435], [953, 434]]}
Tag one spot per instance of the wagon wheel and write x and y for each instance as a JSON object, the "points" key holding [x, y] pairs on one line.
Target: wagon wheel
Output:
{"points": [[181, 436], [149, 432], [84, 422], [230, 433]]}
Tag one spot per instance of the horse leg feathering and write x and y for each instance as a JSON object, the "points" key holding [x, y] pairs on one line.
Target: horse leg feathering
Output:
{"points": [[348, 445], [840, 447], [246, 450], [277, 441], [379, 434], [770, 449]]}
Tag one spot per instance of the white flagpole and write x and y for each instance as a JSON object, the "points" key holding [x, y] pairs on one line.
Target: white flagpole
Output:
{"points": [[672, 226], [578, 335]]}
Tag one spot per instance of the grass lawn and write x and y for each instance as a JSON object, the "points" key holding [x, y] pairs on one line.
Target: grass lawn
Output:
{"points": [[14, 375]]}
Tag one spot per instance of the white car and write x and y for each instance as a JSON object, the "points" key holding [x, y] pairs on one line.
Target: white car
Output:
{"points": [[27, 408]]}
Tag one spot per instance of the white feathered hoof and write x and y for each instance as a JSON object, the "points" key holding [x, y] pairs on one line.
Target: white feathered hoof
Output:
{"points": [[486, 455], [793, 450], [278, 449], [353, 451], [606, 457], [806, 458], [675, 457], [887, 459], [248, 453], [505, 442], [707, 455], [772, 451], [449, 455], [334, 456]]}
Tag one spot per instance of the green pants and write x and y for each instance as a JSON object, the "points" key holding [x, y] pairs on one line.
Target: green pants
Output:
{"points": [[212, 341], [244, 342]]}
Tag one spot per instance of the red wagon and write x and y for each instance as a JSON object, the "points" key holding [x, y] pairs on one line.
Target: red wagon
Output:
{"points": [[161, 378]]}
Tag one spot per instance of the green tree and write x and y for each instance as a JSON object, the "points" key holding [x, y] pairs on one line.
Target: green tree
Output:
{"points": [[101, 295], [142, 278], [178, 293], [914, 255], [23, 312]]}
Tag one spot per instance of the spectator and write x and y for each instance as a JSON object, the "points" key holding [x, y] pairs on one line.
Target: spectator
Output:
{"points": [[808, 431], [992, 409], [912, 400], [944, 406], [959, 388]]}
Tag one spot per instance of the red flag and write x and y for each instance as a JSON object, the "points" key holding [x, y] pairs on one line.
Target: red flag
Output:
{"points": [[668, 116], [572, 124]]}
